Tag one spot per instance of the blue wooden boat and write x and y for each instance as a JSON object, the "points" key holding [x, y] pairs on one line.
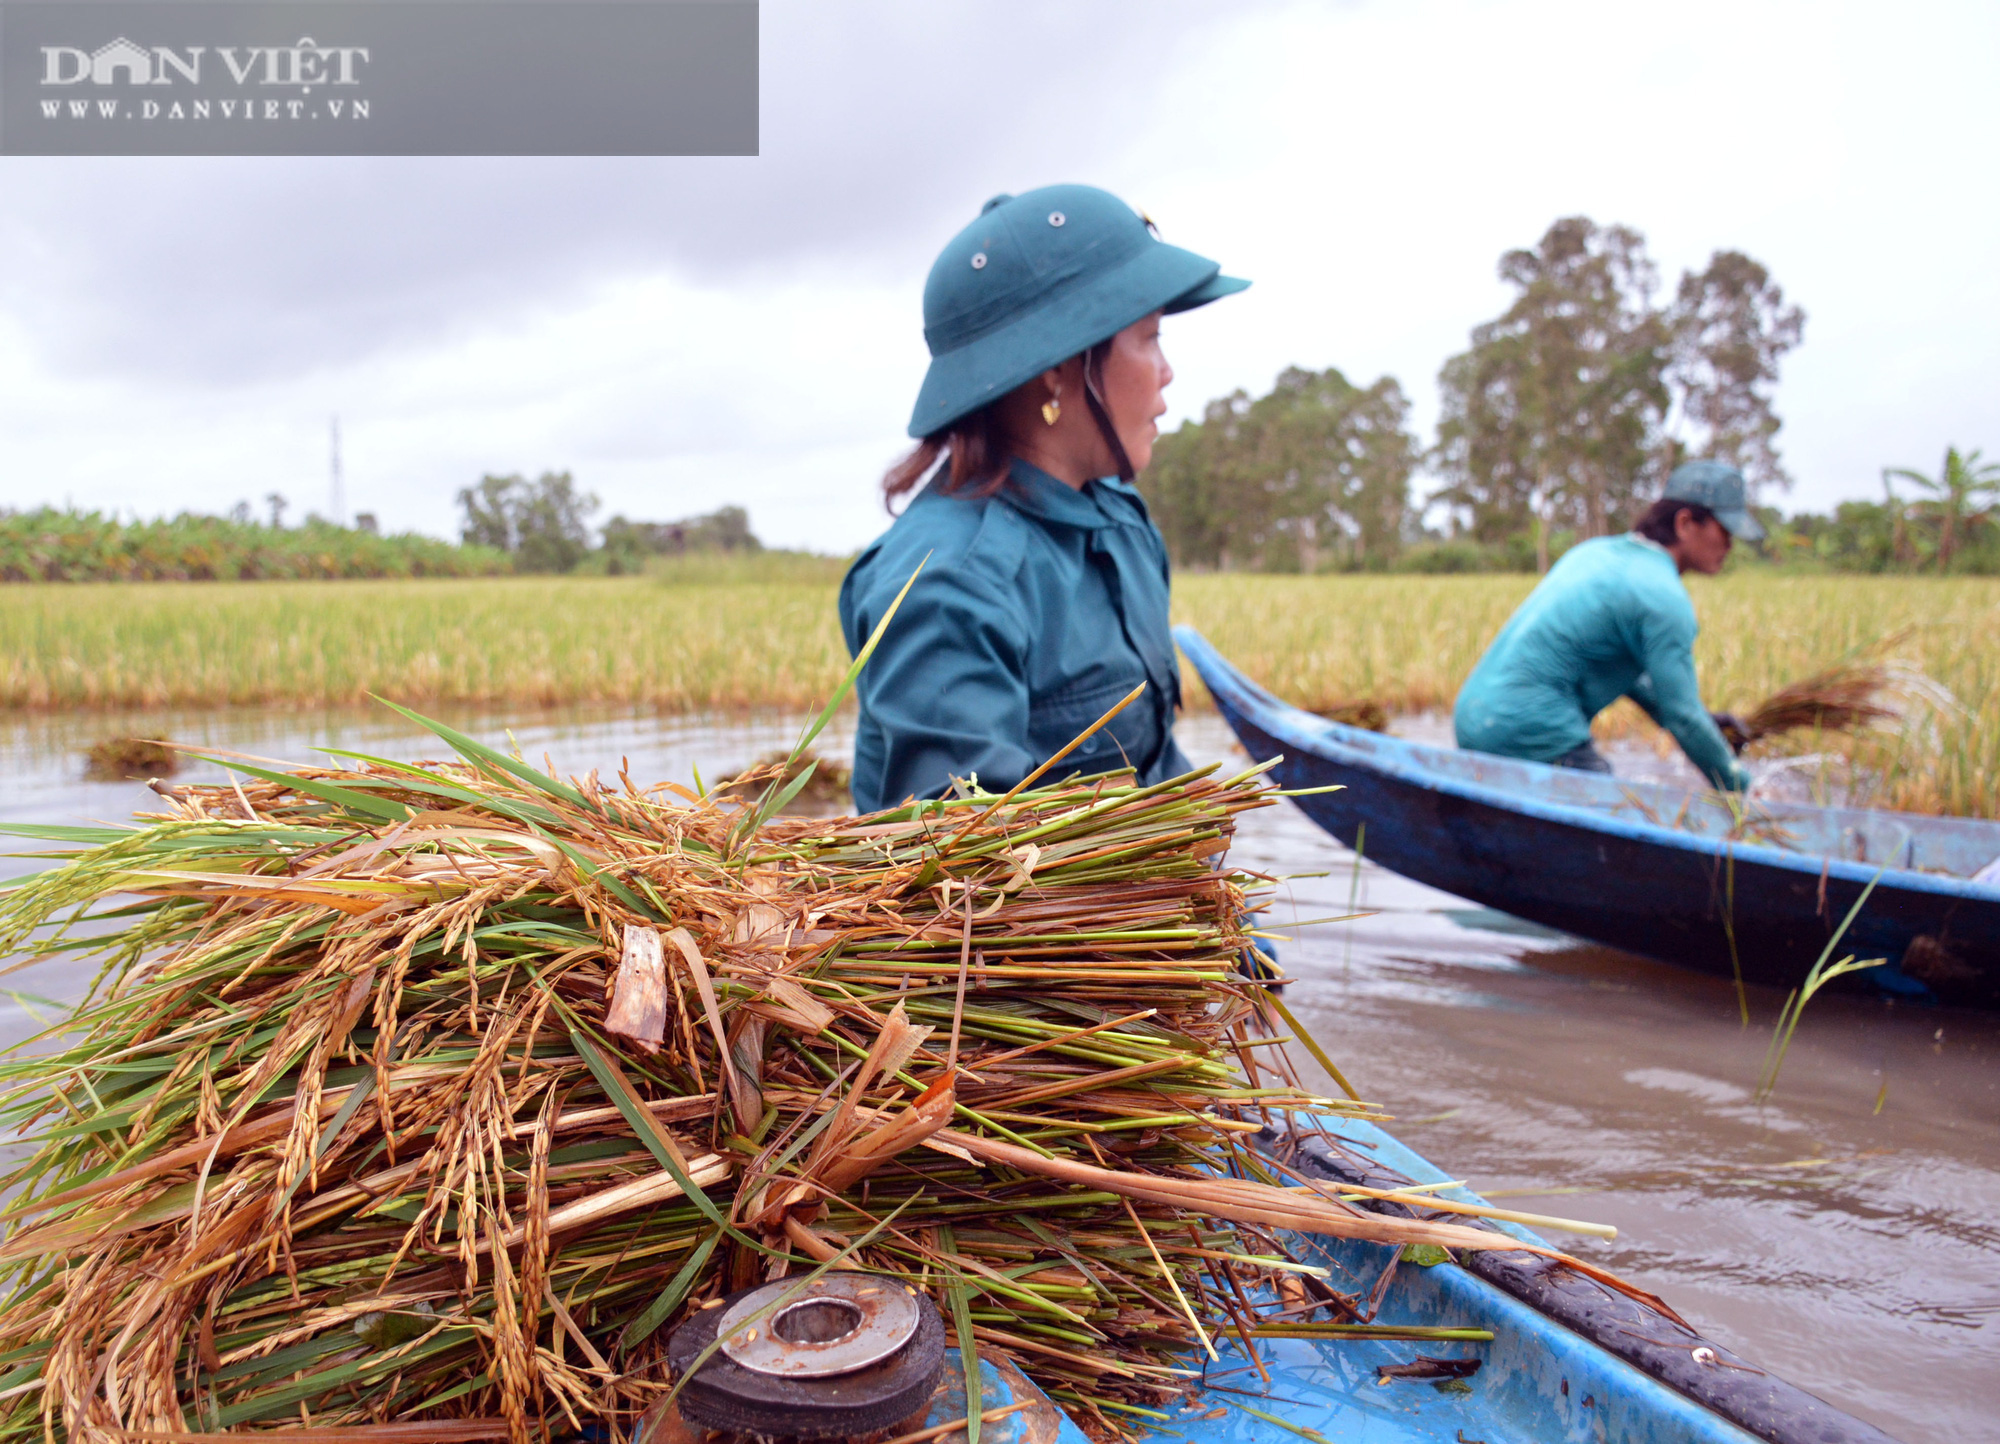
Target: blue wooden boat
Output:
{"points": [[1693, 878], [1569, 1360]]}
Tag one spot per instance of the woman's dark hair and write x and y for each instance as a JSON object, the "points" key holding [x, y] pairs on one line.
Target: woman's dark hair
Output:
{"points": [[973, 446], [1657, 523]]}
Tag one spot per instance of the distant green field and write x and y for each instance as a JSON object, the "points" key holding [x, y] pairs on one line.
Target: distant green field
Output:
{"points": [[529, 640], [739, 637]]}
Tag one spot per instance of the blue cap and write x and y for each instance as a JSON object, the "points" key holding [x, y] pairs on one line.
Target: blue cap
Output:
{"points": [[1037, 279], [1722, 490]]}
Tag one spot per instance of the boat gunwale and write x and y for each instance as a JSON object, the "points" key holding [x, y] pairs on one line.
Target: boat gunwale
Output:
{"points": [[1719, 1394], [1409, 771]]}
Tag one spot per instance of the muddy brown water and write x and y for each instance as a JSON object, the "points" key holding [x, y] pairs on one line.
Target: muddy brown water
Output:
{"points": [[1845, 1234]]}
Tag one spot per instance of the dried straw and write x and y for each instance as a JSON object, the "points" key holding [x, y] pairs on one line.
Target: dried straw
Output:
{"points": [[432, 1096]]}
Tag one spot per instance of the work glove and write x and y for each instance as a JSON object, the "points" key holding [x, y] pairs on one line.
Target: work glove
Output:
{"points": [[1733, 730]]}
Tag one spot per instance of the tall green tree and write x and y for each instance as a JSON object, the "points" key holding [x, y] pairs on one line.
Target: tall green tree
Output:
{"points": [[1345, 457], [1731, 328], [1552, 417], [1194, 489], [552, 524], [544, 524], [1314, 474], [487, 512], [1573, 405]]}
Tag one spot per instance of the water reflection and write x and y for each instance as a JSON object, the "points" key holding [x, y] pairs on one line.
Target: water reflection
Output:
{"points": [[1844, 1234]]}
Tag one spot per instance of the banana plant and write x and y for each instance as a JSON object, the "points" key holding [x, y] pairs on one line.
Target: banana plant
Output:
{"points": [[1955, 495]]}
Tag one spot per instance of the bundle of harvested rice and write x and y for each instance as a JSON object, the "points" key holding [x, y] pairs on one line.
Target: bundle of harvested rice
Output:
{"points": [[1848, 696], [1363, 712], [423, 1100], [130, 759]]}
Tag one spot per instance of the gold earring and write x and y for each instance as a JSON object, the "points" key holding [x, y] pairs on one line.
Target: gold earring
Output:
{"points": [[1051, 409]]}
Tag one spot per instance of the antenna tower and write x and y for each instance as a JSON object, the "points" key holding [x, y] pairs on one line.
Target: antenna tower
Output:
{"points": [[337, 487]]}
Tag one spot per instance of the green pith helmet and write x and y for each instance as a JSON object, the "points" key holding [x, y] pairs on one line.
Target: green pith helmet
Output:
{"points": [[1037, 279], [1721, 489]]}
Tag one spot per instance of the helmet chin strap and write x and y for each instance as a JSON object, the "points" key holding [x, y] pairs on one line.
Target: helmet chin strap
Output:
{"points": [[1095, 401]]}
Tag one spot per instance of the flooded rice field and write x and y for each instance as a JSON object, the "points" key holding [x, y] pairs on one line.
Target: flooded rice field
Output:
{"points": [[1845, 1234]]}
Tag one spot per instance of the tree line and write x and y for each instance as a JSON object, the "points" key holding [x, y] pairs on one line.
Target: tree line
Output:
{"points": [[509, 526], [544, 526], [1949, 522], [68, 545], [1562, 417]]}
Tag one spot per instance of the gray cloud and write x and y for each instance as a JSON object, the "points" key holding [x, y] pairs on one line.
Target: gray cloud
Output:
{"points": [[883, 127]]}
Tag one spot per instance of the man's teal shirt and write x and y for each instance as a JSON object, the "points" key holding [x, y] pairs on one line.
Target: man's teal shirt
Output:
{"points": [[1038, 608], [1611, 619]]}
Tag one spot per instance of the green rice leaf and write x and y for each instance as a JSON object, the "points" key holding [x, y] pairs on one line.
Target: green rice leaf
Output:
{"points": [[959, 1298], [657, 1312], [486, 758], [644, 1125]]}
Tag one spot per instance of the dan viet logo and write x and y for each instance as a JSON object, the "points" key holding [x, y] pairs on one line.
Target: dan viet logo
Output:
{"points": [[422, 77], [316, 82]]}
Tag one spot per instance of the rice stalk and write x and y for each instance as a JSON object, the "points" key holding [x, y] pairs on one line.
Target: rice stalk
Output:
{"points": [[1817, 977]]}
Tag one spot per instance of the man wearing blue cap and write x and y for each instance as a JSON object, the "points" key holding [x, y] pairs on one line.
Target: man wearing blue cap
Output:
{"points": [[1612, 619], [1044, 597]]}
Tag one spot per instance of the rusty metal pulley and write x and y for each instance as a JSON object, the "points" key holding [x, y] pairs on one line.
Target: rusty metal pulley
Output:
{"points": [[851, 1354]]}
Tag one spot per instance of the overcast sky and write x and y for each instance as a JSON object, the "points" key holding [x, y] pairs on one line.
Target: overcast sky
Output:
{"points": [[687, 333]]}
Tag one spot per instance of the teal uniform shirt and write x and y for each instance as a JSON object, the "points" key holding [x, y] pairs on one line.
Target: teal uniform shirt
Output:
{"points": [[1039, 608], [1610, 620]]}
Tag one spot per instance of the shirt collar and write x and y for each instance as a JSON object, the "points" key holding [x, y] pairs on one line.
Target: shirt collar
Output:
{"points": [[1646, 541], [1034, 491]]}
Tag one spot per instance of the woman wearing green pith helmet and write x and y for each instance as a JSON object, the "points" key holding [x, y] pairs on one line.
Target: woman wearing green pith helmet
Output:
{"points": [[1044, 599], [1612, 619]]}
